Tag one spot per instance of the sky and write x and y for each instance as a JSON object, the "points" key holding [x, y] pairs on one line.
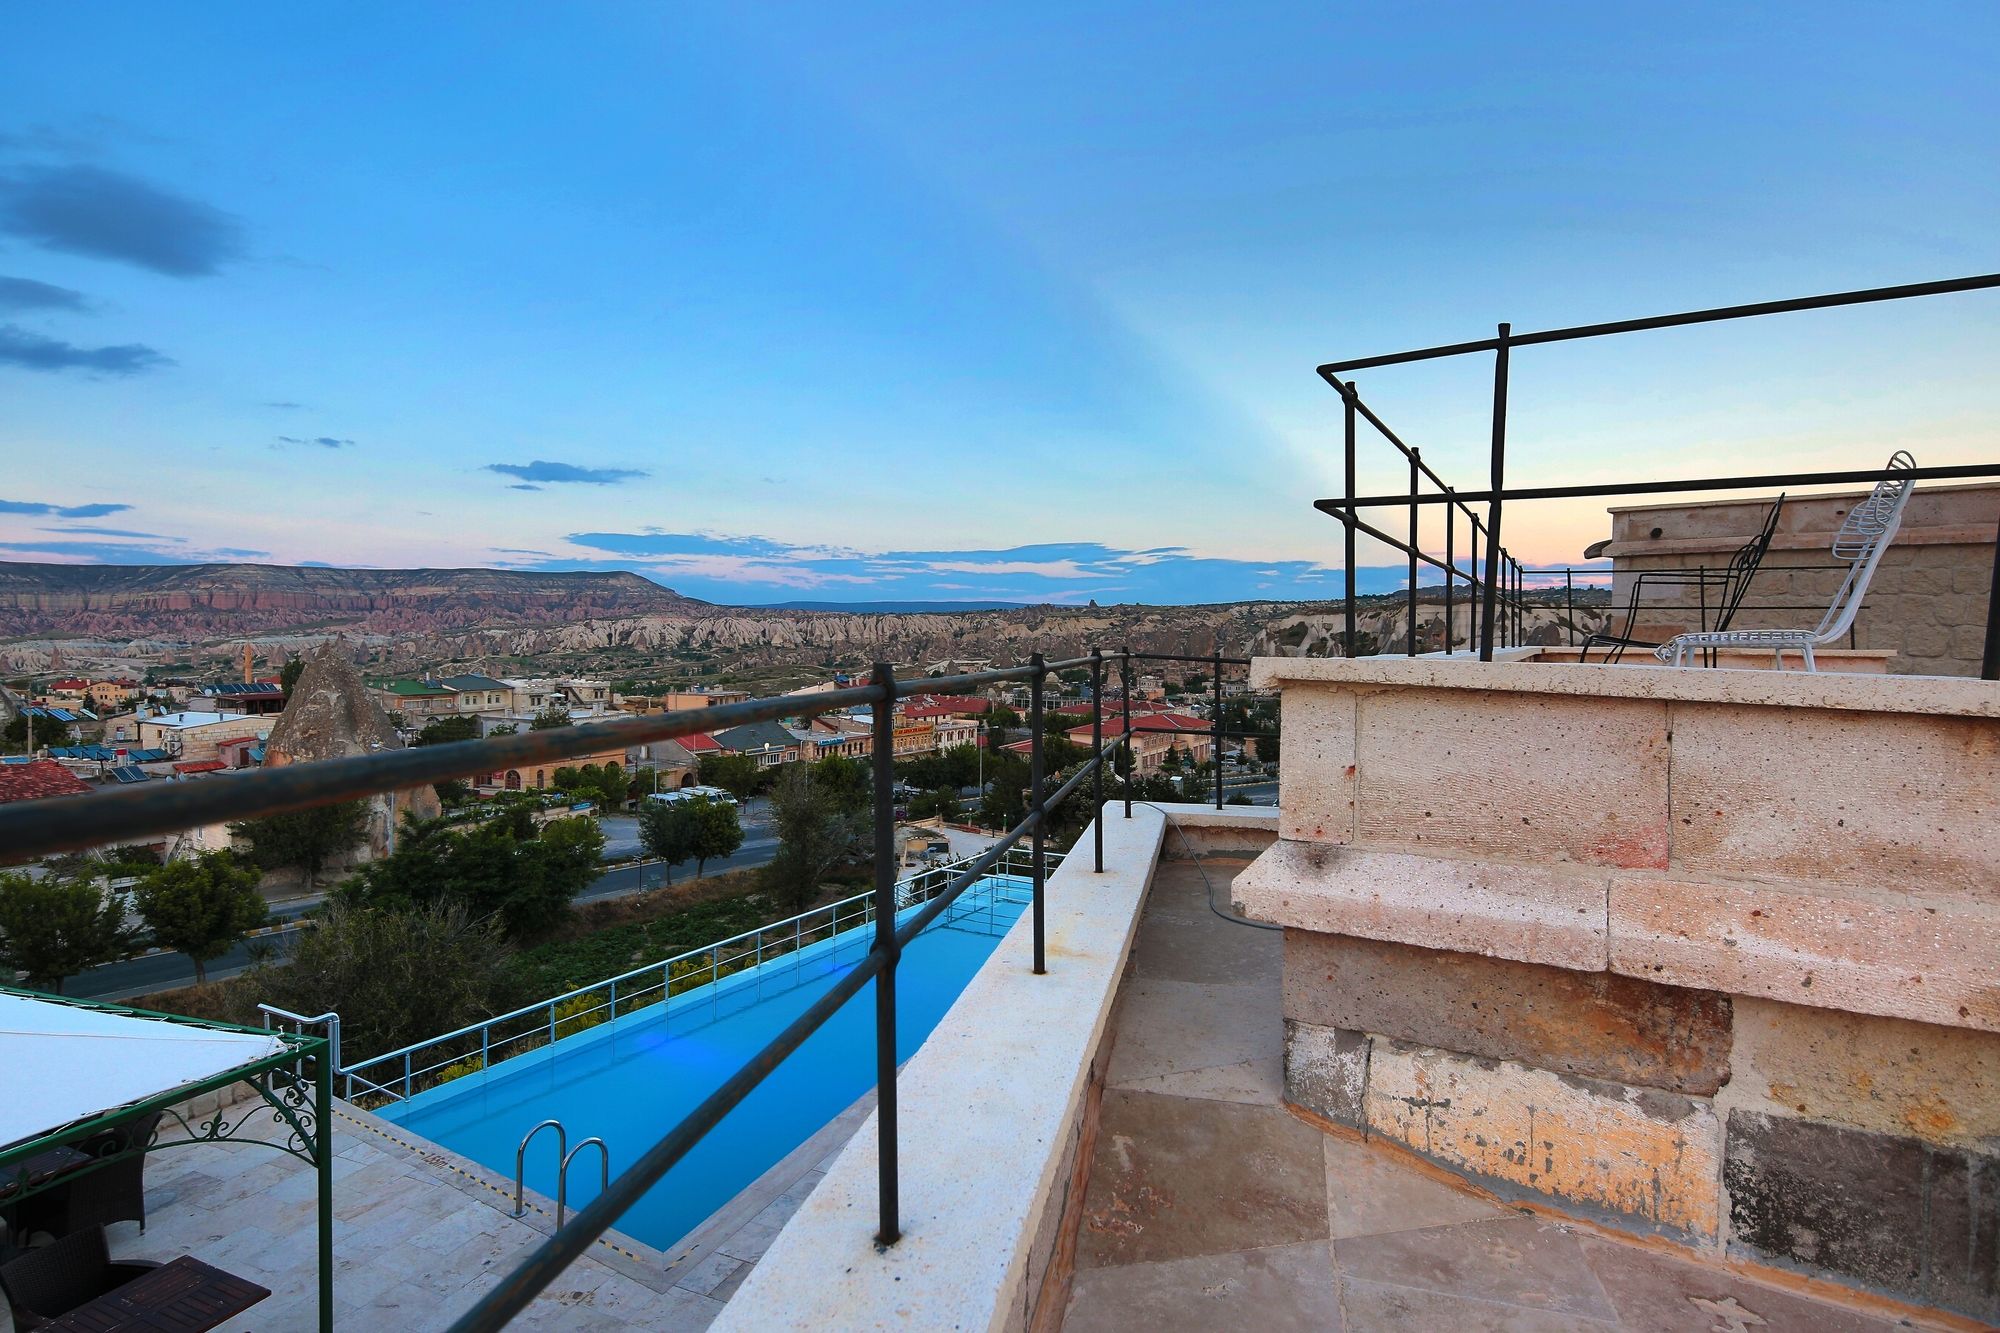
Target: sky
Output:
{"points": [[953, 303]]}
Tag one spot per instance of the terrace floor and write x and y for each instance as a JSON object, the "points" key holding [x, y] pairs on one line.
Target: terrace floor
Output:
{"points": [[1210, 1206]]}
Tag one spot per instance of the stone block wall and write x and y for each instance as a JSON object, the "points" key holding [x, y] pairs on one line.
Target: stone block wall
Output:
{"points": [[1710, 955]]}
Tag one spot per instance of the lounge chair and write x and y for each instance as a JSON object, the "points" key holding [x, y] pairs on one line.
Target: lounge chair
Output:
{"points": [[1869, 528], [46, 1283], [1730, 583]]}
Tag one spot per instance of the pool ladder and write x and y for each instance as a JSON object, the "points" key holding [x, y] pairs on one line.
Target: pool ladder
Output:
{"points": [[568, 1155]]}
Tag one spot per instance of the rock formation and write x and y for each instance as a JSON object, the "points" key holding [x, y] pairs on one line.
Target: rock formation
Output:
{"points": [[331, 716]]}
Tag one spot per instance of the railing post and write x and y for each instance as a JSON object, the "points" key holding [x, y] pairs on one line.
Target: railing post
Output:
{"points": [[1569, 603], [1097, 749], [1125, 736], [1410, 597], [1347, 397], [1041, 816], [1450, 555], [885, 944], [1491, 588], [1215, 727]]}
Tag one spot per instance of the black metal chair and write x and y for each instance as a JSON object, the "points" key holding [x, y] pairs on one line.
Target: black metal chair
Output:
{"points": [[113, 1192], [1729, 583], [46, 1283]]}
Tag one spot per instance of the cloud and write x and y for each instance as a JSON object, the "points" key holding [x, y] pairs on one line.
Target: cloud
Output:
{"points": [[323, 441], [523, 486], [284, 406], [540, 470], [124, 553], [735, 568], [32, 351], [60, 511], [88, 210], [96, 531], [27, 294]]}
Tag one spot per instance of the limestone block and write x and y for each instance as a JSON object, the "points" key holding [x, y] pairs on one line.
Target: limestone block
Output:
{"points": [[1890, 1075], [1537, 914], [1593, 1024], [1650, 1157], [1928, 960], [1316, 780], [1514, 776], [1874, 801], [1326, 1071], [1917, 1221]]}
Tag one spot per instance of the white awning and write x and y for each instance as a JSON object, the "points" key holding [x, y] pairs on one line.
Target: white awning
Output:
{"points": [[61, 1062]]}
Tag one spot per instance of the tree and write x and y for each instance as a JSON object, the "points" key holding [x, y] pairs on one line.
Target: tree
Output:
{"points": [[941, 802], [716, 830], [289, 673], [54, 928], [201, 906], [396, 975], [666, 830], [47, 731], [814, 832], [736, 774], [505, 869], [550, 718], [307, 839], [445, 730]]}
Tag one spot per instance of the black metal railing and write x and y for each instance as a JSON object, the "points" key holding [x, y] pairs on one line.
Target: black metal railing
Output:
{"points": [[1492, 574], [38, 828]]}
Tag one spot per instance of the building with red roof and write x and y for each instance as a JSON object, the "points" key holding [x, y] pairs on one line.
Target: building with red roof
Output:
{"points": [[1154, 735], [37, 780]]}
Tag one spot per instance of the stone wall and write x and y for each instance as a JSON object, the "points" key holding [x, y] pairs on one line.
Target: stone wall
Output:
{"points": [[1927, 602], [1713, 955]]}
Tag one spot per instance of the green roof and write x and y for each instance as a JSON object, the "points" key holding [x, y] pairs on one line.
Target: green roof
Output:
{"points": [[414, 687]]}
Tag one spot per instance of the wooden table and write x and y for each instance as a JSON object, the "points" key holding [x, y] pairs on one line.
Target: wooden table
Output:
{"points": [[40, 1168], [185, 1296]]}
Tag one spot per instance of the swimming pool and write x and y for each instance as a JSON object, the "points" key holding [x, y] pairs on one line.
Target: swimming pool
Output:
{"points": [[630, 1080]]}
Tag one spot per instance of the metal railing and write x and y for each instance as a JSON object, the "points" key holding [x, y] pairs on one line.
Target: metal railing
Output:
{"points": [[400, 1074], [1502, 599], [30, 829]]}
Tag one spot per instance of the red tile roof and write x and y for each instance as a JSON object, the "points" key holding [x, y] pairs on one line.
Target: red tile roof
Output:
{"points": [[1144, 723], [946, 705], [700, 743], [200, 766], [37, 780]]}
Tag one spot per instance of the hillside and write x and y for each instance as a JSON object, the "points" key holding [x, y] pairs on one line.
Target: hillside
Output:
{"points": [[195, 602]]}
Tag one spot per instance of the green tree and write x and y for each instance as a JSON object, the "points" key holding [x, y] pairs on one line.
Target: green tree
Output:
{"points": [[505, 869], [666, 830], [815, 833], [54, 928], [736, 774], [397, 975], [201, 906], [550, 718], [445, 730], [306, 839], [717, 830], [941, 802], [48, 732], [289, 673]]}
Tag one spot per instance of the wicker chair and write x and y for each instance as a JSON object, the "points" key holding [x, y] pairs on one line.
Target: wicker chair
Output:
{"points": [[46, 1283], [114, 1192]]}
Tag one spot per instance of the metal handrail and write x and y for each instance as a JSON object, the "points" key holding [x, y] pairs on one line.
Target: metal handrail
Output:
{"points": [[562, 1174], [521, 1158]]}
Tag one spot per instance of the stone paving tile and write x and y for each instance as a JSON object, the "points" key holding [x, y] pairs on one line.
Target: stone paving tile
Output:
{"points": [[1514, 1261], [1171, 1027], [1379, 1307], [1369, 1193], [1186, 948], [1291, 1289], [1655, 1293], [1177, 1176]]}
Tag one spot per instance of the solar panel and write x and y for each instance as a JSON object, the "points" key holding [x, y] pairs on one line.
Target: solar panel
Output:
{"points": [[131, 773]]}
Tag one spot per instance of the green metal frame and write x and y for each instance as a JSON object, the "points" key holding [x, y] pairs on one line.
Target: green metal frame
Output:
{"points": [[295, 1088]]}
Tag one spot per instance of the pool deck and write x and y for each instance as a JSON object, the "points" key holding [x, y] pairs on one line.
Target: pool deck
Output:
{"points": [[1212, 1206]]}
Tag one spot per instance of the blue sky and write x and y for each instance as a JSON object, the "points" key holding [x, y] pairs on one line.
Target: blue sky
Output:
{"points": [[868, 302]]}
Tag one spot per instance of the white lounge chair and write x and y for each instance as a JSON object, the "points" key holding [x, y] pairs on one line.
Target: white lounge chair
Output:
{"points": [[1862, 539]]}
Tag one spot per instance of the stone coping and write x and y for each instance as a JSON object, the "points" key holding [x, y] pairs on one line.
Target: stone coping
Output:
{"points": [[987, 1108], [1953, 696]]}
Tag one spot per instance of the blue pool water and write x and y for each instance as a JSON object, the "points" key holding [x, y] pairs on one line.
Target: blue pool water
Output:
{"points": [[631, 1080]]}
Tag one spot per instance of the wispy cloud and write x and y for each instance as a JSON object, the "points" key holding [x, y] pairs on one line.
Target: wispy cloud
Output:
{"points": [[322, 441], [33, 351], [89, 210], [60, 511], [544, 471], [746, 568], [283, 405], [28, 294]]}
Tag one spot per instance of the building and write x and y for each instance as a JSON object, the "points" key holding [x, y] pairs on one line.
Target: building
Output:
{"points": [[948, 732], [38, 779], [676, 701], [256, 698], [106, 695], [541, 777], [412, 703], [190, 736], [766, 742], [478, 694], [1190, 737]]}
